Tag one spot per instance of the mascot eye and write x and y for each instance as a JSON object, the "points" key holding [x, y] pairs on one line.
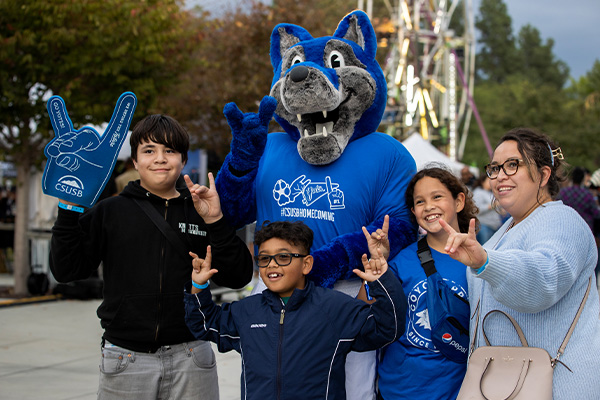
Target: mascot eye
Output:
{"points": [[336, 60], [297, 59]]}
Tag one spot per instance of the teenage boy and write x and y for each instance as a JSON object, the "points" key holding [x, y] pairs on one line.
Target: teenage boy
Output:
{"points": [[147, 349], [294, 336]]}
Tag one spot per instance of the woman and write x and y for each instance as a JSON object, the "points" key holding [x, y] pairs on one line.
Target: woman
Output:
{"points": [[537, 266]]}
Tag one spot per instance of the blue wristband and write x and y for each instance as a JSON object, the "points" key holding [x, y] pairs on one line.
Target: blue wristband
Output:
{"points": [[70, 207], [194, 284], [480, 269], [369, 297]]}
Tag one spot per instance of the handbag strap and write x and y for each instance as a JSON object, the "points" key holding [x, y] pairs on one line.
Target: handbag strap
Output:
{"points": [[472, 347], [562, 347], [425, 257], [512, 321], [163, 227]]}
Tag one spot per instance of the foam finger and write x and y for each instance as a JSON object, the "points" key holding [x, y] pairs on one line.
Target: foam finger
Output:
{"points": [[118, 126], [61, 123]]}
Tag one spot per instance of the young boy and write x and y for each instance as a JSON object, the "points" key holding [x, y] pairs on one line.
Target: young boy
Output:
{"points": [[148, 351], [294, 337]]}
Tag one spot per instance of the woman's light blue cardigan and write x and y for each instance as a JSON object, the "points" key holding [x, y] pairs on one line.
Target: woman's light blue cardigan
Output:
{"points": [[538, 273]]}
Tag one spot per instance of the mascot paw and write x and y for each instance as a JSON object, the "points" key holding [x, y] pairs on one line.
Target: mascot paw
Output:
{"points": [[249, 131]]}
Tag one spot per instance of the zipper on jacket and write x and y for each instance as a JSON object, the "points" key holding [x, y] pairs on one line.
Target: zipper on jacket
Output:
{"points": [[279, 346], [160, 278]]}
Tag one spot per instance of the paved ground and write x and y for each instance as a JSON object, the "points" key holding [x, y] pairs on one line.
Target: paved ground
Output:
{"points": [[50, 350]]}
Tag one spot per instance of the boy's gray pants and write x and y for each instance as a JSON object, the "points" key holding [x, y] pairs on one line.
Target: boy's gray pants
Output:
{"points": [[182, 371]]}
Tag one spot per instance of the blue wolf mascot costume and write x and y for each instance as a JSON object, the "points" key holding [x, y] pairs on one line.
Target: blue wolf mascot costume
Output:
{"points": [[330, 168]]}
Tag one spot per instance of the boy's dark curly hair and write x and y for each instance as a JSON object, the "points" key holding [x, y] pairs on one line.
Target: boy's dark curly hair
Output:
{"points": [[296, 233], [455, 186]]}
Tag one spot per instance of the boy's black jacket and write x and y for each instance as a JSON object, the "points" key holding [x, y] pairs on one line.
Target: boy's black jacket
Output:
{"points": [[143, 274], [298, 351]]}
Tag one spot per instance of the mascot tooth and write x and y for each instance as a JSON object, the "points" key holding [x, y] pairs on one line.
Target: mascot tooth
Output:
{"points": [[330, 168]]}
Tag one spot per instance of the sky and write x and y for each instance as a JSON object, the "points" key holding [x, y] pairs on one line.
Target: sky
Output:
{"points": [[573, 24]]}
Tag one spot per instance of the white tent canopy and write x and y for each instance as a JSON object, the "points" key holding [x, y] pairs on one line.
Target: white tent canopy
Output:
{"points": [[425, 153]]}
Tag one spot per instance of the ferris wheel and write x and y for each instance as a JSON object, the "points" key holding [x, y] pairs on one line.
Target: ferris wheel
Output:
{"points": [[430, 70]]}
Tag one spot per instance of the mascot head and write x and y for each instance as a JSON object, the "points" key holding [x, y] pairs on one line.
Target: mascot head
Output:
{"points": [[329, 90]]}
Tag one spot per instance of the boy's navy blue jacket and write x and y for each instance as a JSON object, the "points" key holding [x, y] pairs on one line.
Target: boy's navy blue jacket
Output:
{"points": [[143, 273], [298, 350]]}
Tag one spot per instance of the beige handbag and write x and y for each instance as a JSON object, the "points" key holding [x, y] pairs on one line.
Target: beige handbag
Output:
{"points": [[512, 373]]}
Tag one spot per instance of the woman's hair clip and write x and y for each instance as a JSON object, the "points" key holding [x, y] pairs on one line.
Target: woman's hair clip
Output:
{"points": [[557, 152]]}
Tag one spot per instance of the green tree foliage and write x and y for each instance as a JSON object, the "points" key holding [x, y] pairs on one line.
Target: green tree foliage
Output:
{"points": [[88, 52], [536, 59], [518, 102], [497, 56], [587, 88], [521, 84], [584, 136], [233, 65]]}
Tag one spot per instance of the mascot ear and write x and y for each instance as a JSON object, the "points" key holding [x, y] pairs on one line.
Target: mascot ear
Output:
{"points": [[283, 37], [357, 28]]}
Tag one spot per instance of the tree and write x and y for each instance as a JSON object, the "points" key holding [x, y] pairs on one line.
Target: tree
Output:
{"points": [[88, 53], [497, 56], [233, 65], [518, 102], [536, 60], [521, 84], [585, 109], [587, 88]]}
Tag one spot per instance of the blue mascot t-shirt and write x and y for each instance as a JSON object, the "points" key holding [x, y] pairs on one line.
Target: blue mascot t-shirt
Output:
{"points": [[337, 198], [412, 368]]}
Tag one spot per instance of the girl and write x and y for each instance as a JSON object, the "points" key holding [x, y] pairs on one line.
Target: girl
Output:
{"points": [[411, 367]]}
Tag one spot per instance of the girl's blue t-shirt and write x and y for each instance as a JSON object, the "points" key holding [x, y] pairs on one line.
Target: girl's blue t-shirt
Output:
{"points": [[412, 368]]}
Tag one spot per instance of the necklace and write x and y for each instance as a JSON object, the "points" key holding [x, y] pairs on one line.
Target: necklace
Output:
{"points": [[504, 233]]}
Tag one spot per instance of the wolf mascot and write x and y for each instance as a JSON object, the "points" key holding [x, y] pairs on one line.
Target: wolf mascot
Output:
{"points": [[330, 168]]}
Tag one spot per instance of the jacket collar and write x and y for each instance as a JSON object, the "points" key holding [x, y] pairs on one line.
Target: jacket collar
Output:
{"points": [[295, 301]]}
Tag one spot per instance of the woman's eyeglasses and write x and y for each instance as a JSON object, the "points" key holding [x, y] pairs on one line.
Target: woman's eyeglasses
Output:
{"points": [[510, 167], [281, 259]]}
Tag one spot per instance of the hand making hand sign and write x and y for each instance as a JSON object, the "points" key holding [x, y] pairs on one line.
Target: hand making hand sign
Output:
{"points": [[206, 199], [202, 270], [464, 247], [377, 264], [379, 239]]}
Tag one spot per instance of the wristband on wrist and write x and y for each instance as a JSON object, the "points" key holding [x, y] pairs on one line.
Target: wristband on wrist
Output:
{"points": [[70, 207], [194, 284], [480, 269]]}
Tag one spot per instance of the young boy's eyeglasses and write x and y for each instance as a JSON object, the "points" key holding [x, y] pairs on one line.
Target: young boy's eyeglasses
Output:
{"points": [[510, 167], [281, 259]]}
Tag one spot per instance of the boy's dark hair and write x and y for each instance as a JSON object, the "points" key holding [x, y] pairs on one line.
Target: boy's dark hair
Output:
{"points": [[295, 233], [160, 129], [455, 186]]}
